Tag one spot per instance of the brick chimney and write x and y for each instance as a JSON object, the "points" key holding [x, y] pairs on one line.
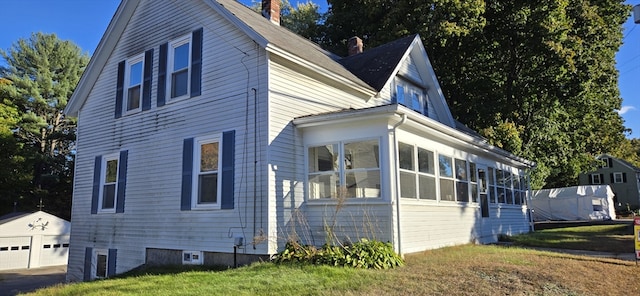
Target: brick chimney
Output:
{"points": [[355, 45], [271, 10]]}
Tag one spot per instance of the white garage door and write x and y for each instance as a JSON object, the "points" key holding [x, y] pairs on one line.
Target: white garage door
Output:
{"points": [[55, 250], [14, 252]]}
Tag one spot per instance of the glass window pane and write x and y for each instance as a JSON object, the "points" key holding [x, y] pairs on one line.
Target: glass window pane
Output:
{"points": [[108, 196], [179, 81], [492, 194], [427, 187], [462, 191], [181, 57], [446, 190], [208, 188], [474, 192], [135, 74], [112, 171], [363, 183], [446, 168], [425, 161], [500, 177], [323, 186], [360, 155], [407, 185], [502, 198], [509, 195], [209, 157], [101, 266], [405, 155], [133, 98], [400, 94], [415, 102], [472, 172], [507, 179], [492, 180], [323, 158], [461, 169]]}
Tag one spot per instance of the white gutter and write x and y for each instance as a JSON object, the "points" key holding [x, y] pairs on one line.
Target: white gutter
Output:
{"points": [[397, 183]]}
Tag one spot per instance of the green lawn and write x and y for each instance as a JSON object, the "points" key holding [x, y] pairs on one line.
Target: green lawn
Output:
{"points": [[461, 270]]}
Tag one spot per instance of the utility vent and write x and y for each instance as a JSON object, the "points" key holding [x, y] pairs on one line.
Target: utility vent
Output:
{"points": [[192, 258]]}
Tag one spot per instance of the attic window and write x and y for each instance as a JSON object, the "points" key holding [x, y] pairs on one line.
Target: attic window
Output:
{"points": [[411, 96]]}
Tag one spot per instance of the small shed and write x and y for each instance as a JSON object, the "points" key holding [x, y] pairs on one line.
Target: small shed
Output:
{"points": [[576, 203], [31, 240]]}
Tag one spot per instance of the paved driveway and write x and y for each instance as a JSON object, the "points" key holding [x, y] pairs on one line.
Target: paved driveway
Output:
{"points": [[17, 281]]}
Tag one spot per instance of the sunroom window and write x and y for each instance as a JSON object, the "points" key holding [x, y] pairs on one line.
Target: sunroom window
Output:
{"points": [[417, 172], [344, 169]]}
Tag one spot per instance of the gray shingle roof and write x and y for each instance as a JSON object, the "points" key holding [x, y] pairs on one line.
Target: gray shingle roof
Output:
{"points": [[289, 41], [375, 66]]}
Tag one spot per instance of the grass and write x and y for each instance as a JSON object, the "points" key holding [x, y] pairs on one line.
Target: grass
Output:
{"points": [[461, 270], [605, 238]]}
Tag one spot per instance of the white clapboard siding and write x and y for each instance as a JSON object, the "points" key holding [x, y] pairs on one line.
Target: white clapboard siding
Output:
{"points": [[154, 140]]}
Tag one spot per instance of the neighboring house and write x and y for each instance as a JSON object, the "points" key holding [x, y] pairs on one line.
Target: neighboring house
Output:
{"points": [[622, 176], [205, 128], [31, 240]]}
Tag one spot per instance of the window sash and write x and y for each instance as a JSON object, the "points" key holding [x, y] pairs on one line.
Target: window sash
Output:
{"points": [[134, 76], [179, 67], [109, 183], [206, 183]]}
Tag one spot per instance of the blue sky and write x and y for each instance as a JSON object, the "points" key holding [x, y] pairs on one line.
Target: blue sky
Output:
{"points": [[84, 22]]}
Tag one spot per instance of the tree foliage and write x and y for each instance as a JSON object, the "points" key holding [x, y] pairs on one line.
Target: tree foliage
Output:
{"points": [[304, 19], [537, 78], [41, 74]]}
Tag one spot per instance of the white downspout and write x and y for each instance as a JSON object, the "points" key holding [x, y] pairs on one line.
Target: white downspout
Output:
{"points": [[397, 181]]}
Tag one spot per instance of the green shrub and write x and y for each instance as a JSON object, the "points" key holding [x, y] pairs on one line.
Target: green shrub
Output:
{"points": [[362, 254]]}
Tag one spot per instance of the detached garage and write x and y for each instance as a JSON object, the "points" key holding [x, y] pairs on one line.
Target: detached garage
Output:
{"points": [[31, 240]]}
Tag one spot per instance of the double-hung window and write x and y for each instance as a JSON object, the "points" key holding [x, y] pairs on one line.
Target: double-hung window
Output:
{"points": [[208, 172], [344, 169], [619, 177], [417, 172], [447, 191], [595, 179], [133, 79], [462, 180], [109, 183], [179, 67], [206, 175]]}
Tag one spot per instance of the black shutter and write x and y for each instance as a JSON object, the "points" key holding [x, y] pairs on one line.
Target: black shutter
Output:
{"points": [[122, 180], [95, 196], [196, 62], [228, 161], [148, 78], [590, 179], [119, 90], [162, 74], [187, 174], [111, 265], [610, 162], [613, 179], [602, 179], [88, 255], [624, 177]]}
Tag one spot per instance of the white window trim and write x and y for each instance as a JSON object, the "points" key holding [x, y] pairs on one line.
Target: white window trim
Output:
{"points": [[103, 174], [417, 173], [94, 263], [452, 178], [196, 173], [186, 39], [617, 175], [593, 179], [409, 91], [127, 81]]}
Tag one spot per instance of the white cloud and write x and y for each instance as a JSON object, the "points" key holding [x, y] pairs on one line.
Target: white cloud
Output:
{"points": [[625, 109]]}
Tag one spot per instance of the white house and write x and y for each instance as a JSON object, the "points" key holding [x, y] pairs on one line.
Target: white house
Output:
{"points": [[204, 128], [31, 240]]}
